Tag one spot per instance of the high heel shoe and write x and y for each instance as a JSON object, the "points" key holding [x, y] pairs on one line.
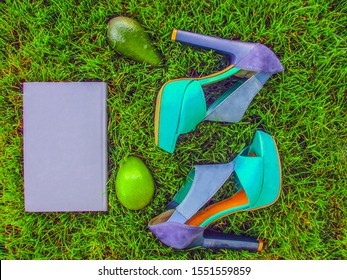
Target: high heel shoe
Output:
{"points": [[181, 103], [257, 172]]}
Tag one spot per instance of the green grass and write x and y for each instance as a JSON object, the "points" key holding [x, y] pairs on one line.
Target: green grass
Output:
{"points": [[304, 108]]}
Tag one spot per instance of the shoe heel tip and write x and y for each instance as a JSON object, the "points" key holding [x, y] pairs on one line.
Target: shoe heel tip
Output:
{"points": [[174, 34], [261, 245]]}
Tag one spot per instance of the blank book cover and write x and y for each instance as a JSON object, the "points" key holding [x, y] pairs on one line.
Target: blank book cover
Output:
{"points": [[65, 146]]}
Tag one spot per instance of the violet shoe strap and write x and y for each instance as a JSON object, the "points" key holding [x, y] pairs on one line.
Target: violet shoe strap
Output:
{"points": [[232, 105], [208, 180]]}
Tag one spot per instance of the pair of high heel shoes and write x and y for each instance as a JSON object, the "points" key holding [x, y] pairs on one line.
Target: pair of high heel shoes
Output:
{"points": [[256, 170]]}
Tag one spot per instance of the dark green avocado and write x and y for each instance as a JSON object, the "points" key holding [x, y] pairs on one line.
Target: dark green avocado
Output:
{"points": [[129, 38]]}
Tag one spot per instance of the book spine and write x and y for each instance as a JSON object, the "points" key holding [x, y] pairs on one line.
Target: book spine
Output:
{"points": [[104, 148]]}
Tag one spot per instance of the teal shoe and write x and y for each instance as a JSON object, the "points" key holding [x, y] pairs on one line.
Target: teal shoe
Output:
{"points": [[181, 103], [257, 172]]}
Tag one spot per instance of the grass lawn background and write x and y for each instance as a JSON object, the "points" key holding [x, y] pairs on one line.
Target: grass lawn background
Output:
{"points": [[304, 108]]}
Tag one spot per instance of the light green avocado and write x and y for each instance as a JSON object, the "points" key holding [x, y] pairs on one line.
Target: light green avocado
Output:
{"points": [[134, 183], [128, 38]]}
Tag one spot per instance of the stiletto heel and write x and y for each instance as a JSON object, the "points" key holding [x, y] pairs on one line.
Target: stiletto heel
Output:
{"points": [[214, 239], [181, 103], [257, 172], [245, 55]]}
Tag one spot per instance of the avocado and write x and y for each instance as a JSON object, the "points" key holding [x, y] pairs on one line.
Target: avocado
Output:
{"points": [[134, 183], [129, 38]]}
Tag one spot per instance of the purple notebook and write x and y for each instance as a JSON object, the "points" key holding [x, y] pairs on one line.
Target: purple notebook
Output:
{"points": [[65, 146]]}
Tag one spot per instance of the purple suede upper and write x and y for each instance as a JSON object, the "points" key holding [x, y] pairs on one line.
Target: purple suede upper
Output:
{"points": [[176, 235], [260, 59]]}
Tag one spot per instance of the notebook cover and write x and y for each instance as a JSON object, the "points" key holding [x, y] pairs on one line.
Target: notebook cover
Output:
{"points": [[65, 146]]}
